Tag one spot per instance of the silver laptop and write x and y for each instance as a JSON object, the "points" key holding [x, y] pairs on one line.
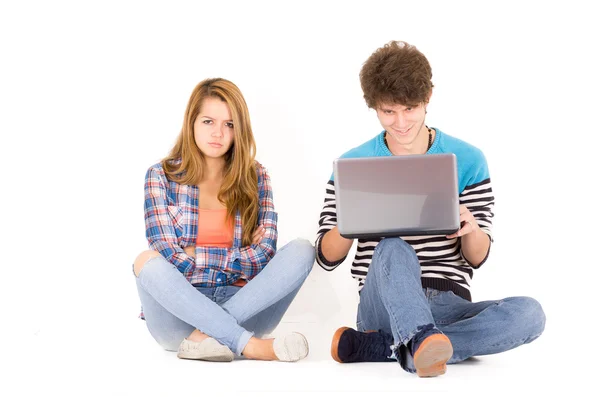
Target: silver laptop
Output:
{"points": [[392, 196]]}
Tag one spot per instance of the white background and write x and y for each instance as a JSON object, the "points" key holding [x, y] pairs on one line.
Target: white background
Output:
{"points": [[93, 93]]}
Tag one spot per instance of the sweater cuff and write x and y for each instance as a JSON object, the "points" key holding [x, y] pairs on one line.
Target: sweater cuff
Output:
{"points": [[322, 261]]}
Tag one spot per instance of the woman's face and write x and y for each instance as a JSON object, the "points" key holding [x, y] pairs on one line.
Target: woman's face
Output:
{"points": [[213, 128]]}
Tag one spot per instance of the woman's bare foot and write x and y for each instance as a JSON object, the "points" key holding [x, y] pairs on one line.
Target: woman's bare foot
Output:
{"points": [[197, 336], [291, 347], [260, 349]]}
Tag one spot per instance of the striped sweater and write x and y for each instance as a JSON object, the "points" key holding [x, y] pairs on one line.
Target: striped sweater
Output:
{"points": [[443, 266]]}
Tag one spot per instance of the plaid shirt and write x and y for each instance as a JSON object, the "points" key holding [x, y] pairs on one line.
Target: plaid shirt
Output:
{"points": [[171, 214]]}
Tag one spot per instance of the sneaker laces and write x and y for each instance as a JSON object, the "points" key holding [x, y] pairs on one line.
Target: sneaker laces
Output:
{"points": [[375, 344]]}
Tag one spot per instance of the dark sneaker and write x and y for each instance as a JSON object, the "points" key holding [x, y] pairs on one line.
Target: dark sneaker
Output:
{"points": [[430, 352], [349, 346]]}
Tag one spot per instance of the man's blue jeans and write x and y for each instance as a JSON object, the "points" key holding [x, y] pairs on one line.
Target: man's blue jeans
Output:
{"points": [[393, 300], [173, 307]]}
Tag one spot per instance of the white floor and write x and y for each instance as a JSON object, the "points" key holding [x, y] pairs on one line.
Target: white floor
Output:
{"points": [[135, 366], [107, 351]]}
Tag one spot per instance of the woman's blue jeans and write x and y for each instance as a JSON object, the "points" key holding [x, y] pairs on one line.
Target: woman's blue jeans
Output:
{"points": [[173, 307]]}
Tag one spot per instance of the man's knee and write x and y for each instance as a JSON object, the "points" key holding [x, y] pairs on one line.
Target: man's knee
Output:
{"points": [[533, 310], [394, 250], [396, 246], [527, 316], [141, 260]]}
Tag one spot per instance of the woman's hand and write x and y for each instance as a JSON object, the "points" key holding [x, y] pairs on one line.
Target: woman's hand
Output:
{"points": [[468, 222], [190, 251], [258, 234]]}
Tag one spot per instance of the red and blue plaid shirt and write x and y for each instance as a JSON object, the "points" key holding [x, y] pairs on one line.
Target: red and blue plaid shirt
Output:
{"points": [[171, 214]]}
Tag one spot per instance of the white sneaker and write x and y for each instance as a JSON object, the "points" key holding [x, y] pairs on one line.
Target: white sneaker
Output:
{"points": [[291, 347], [208, 350]]}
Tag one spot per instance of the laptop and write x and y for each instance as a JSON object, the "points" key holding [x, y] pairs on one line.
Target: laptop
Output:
{"points": [[410, 195]]}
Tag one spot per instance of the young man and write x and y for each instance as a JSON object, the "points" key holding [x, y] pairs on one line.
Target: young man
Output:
{"points": [[414, 291]]}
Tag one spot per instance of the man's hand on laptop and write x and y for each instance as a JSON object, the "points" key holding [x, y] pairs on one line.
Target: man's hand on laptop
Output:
{"points": [[467, 222]]}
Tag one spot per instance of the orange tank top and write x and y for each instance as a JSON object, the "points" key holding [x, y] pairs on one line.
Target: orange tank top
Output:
{"points": [[213, 229]]}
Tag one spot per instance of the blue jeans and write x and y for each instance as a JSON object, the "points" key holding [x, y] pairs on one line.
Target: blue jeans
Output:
{"points": [[394, 301], [173, 307]]}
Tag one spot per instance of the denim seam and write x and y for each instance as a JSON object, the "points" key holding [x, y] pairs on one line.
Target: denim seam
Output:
{"points": [[520, 342], [395, 346], [403, 341], [245, 334], [457, 358]]}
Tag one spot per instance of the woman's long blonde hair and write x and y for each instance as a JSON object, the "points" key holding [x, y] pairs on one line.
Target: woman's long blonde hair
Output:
{"points": [[186, 163]]}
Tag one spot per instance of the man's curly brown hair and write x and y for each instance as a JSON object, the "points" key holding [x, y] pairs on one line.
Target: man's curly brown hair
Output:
{"points": [[396, 74]]}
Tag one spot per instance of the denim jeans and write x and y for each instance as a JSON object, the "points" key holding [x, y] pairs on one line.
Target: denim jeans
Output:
{"points": [[394, 301], [173, 307]]}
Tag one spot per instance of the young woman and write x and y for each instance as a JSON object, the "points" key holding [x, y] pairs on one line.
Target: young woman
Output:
{"points": [[211, 284]]}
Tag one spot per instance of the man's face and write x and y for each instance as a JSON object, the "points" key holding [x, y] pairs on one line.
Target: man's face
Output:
{"points": [[402, 123]]}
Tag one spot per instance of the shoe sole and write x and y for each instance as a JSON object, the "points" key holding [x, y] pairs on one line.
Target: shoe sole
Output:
{"points": [[430, 360], [335, 343], [290, 348], [216, 357]]}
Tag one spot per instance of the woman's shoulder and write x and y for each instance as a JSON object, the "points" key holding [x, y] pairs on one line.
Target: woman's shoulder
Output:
{"points": [[261, 170], [155, 170], [262, 174], [158, 169]]}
